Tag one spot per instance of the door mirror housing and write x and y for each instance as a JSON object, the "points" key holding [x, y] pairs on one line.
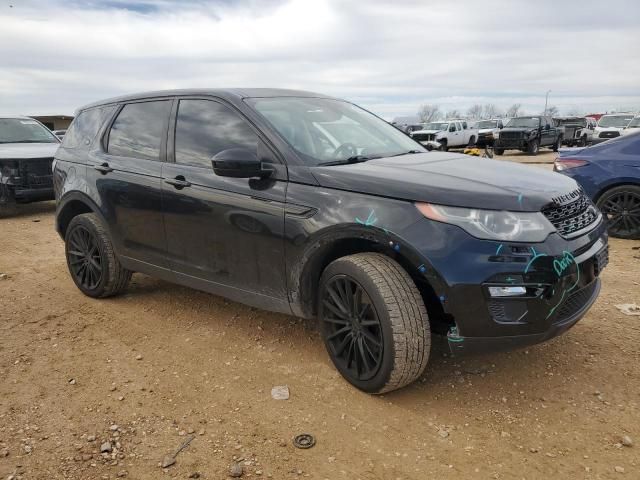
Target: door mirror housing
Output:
{"points": [[547, 127], [239, 163]]}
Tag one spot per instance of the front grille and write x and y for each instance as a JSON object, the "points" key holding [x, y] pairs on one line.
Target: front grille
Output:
{"points": [[511, 135], [609, 134], [424, 137], [575, 302], [569, 132], [573, 216]]}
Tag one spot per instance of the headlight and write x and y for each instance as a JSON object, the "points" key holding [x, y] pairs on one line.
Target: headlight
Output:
{"points": [[492, 224]]}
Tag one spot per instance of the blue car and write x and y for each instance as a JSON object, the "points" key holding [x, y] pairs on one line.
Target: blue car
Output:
{"points": [[610, 174]]}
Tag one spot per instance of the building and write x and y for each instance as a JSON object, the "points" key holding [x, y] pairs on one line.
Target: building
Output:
{"points": [[54, 122]]}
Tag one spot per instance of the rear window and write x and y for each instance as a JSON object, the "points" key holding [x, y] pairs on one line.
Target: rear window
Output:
{"points": [[139, 129], [85, 126]]}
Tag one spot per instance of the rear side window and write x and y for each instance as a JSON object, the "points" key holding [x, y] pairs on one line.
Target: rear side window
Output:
{"points": [[85, 126], [139, 129], [205, 128]]}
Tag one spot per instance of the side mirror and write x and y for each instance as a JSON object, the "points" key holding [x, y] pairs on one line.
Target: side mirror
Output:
{"points": [[547, 127], [500, 125], [239, 163]]}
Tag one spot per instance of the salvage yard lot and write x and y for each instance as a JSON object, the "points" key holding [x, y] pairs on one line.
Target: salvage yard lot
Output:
{"points": [[162, 361]]}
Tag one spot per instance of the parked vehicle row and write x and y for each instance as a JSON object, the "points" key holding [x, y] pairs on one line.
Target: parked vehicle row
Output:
{"points": [[445, 135]]}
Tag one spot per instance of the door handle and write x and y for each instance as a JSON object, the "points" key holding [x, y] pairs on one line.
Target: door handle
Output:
{"points": [[103, 168], [179, 182]]}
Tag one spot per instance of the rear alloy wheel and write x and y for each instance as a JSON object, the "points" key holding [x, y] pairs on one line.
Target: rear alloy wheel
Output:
{"points": [[621, 206], [533, 147], [373, 322], [92, 263]]}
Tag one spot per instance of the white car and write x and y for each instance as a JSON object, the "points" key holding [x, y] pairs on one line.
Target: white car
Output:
{"points": [[447, 134], [487, 130], [611, 126], [634, 126]]}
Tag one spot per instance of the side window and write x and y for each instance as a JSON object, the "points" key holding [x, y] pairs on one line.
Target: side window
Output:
{"points": [[464, 125], [138, 130], [85, 126], [205, 128]]}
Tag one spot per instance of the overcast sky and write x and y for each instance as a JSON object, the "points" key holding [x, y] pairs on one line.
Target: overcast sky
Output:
{"points": [[389, 56]]}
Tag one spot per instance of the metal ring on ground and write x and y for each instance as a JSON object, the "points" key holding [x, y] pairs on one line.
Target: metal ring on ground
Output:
{"points": [[305, 440]]}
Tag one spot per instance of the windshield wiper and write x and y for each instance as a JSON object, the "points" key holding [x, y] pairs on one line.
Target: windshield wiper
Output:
{"points": [[346, 161], [404, 153]]}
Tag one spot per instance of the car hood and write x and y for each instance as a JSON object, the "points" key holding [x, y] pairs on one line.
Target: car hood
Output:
{"points": [[518, 129], [427, 131], [486, 130], [450, 179], [27, 150]]}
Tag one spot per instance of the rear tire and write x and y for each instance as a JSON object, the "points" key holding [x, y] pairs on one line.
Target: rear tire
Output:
{"points": [[498, 151], [91, 260], [373, 322], [617, 201], [533, 147]]}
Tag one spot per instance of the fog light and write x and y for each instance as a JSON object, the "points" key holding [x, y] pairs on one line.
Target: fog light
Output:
{"points": [[507, 291]]}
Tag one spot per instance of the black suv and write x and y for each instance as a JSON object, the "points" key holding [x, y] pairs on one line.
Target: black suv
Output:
{"points": [[528, 134], [308, 205]]}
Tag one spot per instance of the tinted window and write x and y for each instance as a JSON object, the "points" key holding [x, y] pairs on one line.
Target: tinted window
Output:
{"points": [[85, 127], [138, 130], [205, 128]]}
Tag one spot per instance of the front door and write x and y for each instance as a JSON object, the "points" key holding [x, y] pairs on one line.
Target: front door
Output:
{"points": [[127, 176], [225, 235]]}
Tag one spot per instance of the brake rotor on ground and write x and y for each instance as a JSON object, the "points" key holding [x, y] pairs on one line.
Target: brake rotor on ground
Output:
{"points": [[305, 440]]}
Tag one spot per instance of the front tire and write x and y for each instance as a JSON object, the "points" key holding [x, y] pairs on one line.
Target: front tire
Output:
{"points": [[498, 151], [443, 145], [557, 145], [621, 206], [533, 147], [373, 322], [91, 260]]}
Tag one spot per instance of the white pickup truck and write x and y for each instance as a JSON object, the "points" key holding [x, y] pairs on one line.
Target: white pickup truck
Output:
{"points": [[447, 134]]}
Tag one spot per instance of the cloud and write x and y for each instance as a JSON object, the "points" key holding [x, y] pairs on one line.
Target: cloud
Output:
{"points": [[388, 56]]}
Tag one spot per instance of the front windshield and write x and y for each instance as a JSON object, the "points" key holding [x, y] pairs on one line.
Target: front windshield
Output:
{"points": [[436, 126], [523, 122], [19, 130], [572, 121], [617, 121], [487, 124], [325, 130], [635, 123]]}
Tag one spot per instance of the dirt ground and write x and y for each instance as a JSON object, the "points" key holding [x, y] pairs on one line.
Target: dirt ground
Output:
{"points": [[145, 370]]}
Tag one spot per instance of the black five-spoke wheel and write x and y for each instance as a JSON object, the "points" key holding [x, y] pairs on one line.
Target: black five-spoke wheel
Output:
{"points": [[85, 260], [352, 327], [621, 206]]}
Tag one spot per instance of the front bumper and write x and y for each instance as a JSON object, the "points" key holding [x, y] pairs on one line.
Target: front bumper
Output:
{"points": [[560, 277]]}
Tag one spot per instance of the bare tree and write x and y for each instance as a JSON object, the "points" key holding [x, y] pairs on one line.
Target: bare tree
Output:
{"points": [[514, 110], [490, 111], [429, 113], [453, 114], [475, 112], [575, 112], [552, 111]]}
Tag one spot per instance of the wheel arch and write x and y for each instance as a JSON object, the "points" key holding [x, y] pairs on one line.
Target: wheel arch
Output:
{"points": [[72, 205], [305, 280], [618, 182]]}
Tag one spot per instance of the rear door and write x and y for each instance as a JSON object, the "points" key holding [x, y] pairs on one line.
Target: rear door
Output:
{"points": [[224, 234], [126, 172]]}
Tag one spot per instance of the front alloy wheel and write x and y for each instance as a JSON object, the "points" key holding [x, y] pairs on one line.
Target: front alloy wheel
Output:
{"points": [[373, 322], [621, 206], [352, 328]]}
